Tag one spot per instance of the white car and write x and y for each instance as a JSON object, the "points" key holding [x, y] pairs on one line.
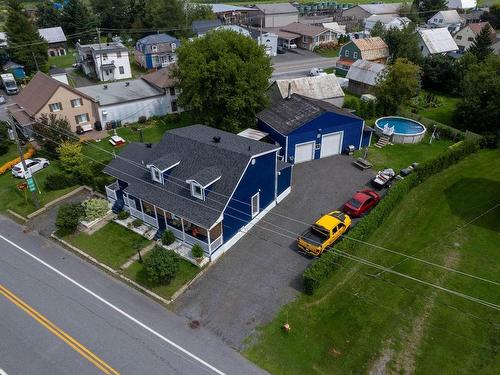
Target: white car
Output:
{"points": [[33, 165], [317, 72]]}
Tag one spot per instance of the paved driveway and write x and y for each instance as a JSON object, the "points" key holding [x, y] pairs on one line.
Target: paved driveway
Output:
{"points": [[262, 272]]}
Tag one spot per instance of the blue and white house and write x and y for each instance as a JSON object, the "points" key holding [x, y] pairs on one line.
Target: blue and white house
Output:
{"points": [[205, 185], [309, 129], [156, 51]]}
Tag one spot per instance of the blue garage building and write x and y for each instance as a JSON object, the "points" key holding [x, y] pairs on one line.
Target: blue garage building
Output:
{"points": [[309, 129]]}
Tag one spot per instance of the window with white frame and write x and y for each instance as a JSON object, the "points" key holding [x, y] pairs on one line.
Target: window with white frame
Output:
{"points": [[154, 48], [355, 55], [347, 53], [156, 175], [75, 103], [255, 204], [83, 118], [55, 107], [197, 191], [104, 56]]}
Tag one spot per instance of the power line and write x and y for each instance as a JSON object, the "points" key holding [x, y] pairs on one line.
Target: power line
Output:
{"points": [[349, 256]]}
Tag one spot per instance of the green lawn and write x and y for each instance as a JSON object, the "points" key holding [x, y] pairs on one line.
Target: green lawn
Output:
{"points": [[444, 112], [13, 198], [328, 52], [152, 131], [399, 156], [356, 322], [65, 61], [112, 245], [187, 272], [10, 155]]}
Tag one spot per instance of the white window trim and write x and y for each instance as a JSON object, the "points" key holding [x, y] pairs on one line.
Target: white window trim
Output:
{"points": [[153, 175], [255, 213], [346, 53], [194, 193], [84, 121], [59, 109], [78, 101], [355, 55]]}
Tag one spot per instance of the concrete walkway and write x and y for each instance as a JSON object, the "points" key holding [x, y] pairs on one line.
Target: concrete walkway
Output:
{"points": [[135, 258]]}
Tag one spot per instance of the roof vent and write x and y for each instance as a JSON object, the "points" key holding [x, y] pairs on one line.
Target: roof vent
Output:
{"points": [[127, 84], [289, 90], [216, 139], [149, 145], [105, 87]]}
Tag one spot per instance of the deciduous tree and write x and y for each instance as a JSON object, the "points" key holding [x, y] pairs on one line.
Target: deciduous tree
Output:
{"points": [[403, 43], [26, 46], [50, 131], [223, 78], [70, 155], [47, 15], [111, 14], [377, 30], [441, 73], [427, 8], [399, 83]]}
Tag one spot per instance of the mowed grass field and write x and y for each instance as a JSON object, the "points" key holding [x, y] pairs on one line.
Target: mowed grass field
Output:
{"points": [[362, 321]]}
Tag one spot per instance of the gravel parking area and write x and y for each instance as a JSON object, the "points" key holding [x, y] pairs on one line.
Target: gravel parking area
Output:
{"points": [[263, 271]]}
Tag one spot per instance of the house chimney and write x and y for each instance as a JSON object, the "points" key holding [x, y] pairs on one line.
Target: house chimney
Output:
{"points": [[289, 90], [216, 139]]}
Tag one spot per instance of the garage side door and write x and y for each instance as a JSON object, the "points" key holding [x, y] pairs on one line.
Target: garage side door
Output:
{"points": [[331, 144], [304, 152]]}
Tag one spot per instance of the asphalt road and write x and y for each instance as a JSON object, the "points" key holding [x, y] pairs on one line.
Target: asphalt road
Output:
{"points": [[3, 107], [61, 315], [294, 66]]}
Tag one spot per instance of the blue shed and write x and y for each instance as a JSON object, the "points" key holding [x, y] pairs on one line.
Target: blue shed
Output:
{"points": [[309, 129], [15, 69]]}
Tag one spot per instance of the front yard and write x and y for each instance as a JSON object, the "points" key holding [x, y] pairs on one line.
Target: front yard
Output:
{"points": [[112, 245], [357, 323]]}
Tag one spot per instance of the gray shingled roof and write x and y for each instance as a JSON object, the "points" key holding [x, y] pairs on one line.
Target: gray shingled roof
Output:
{"points": [[206, 176], [198, 152], [166, 161], [286, 115], [202, 26], [53, 34]]}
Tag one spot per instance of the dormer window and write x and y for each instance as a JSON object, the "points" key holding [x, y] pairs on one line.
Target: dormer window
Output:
{"points": [[197, 191], [154, 48], [173, 46], [156, 175]]}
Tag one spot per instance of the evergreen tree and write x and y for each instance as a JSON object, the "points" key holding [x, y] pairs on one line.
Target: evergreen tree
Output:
{"points": [[137, 14], [111, 14], [47, 15], [167, 14], [377, 30], [26, 46], [427, 8], [481, 47], [77, 18], [403, 43]]}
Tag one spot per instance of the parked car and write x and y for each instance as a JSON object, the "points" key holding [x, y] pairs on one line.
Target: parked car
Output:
{"points": [[317, 72], [281, 50], [33, 165], [2, 99], [383, 178], [361, 202], [292, 45], [323, 233]]}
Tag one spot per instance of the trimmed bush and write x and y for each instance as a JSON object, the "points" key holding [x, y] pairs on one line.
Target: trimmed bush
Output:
{"points": [[122, 215], [322, 268], [197, 251], [137, 223], [168, 238], [58, 181], [68, 217], [95, 208], [161, 265]]}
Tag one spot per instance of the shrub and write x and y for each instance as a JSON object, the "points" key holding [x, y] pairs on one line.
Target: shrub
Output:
{"points": [[142, 119], [57, 181], [122, 215], [137, 223], [322, 268], [161, 265], [168, 238], [95, 208], [197, 251], [68, 217]]}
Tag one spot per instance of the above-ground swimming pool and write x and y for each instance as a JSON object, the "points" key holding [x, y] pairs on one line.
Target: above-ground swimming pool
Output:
{"points": [[404, 130]]}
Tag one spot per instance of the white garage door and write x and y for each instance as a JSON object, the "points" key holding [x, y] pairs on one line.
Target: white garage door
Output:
{"points": [[331, 144], [304, 152]]}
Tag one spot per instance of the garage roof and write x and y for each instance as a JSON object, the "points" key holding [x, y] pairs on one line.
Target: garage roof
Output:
{"points": [[291, 113]]}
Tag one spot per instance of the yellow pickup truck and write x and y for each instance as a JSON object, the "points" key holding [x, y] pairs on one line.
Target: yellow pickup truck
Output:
{"points": [[323, 233]]}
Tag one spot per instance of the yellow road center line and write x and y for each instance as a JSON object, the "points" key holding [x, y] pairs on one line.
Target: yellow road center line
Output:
{"points": [[70, 341]]}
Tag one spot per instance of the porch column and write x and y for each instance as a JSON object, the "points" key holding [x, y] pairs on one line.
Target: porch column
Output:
{"points": [[208, 240], [183, 233]]}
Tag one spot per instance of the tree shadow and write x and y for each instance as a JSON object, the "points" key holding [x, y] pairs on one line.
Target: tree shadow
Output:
{"points": [[470, 197]]}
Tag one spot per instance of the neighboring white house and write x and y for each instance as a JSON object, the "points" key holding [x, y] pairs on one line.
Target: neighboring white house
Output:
{"points": [[126, 101], [461, 4], [447, 18], [436, 41], [336, 29], [104, 61], [465, 37], [388, 21], [59, 74], [3, 39], [324, 87]]}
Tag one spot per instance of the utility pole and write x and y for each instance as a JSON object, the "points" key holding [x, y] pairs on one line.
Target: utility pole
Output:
{"points": [[34, 58], [99, 74], [21, 156]]}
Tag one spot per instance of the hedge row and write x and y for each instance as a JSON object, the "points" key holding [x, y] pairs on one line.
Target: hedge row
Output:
{"points": [[322, 267]]}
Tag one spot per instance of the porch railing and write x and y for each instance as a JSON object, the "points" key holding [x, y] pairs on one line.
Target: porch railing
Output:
{"points": [[111, 190], [216, 243]]}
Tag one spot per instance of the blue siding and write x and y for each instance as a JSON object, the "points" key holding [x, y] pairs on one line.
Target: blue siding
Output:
{"points": [[149, 61], [278, 137], [261, 176], [328, 123], [284, 179], [366, 138]]}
